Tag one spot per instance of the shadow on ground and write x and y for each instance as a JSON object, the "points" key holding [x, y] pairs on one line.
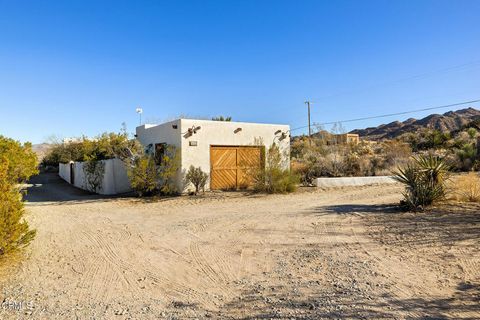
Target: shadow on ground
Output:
{"points": [[446, 223], [342, 304], [359, 208], [50, 188], [456, 223]]}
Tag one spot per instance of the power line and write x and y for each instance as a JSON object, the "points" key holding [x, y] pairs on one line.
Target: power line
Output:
{"points": [[387, 83], [393, 114]]}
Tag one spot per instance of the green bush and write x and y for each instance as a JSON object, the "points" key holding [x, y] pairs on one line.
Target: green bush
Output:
{"points": [[14, 231], [103, 147], [168, 171], [274, 177], [22, 161], [222, 118], [17, 164], [425, 181], [196, 177], [147, 178], [466, 156], [142, 174], [347, 160]]}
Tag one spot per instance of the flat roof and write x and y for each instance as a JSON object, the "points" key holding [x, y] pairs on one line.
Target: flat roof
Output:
{"points": [[147, 125]]}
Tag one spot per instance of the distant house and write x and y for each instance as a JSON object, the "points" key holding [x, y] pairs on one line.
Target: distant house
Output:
{"points": [[223, 149], [345, 138]]}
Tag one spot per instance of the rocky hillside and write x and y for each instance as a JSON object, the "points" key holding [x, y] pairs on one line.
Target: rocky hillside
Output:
{"points": [[449, 121]]}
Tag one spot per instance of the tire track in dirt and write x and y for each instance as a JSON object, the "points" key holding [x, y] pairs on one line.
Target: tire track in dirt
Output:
{"points": [[176, 289], [402, 274], [333, 228], [212, 266], [116, 263], [122, 268], [470, 265], [227, 257], [88, 278], [128, 272]]}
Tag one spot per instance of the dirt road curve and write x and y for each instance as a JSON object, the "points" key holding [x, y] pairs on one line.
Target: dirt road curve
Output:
{"points": [[323, 254]]}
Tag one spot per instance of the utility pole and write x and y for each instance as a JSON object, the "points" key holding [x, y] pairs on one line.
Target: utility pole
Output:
{"points": [[309, 125]]}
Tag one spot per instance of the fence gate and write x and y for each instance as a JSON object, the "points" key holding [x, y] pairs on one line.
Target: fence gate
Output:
{"points": [[72, 173], [232, 166]]}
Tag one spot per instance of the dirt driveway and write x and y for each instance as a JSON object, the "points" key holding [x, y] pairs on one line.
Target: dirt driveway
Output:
{"points": [[323, 254]]}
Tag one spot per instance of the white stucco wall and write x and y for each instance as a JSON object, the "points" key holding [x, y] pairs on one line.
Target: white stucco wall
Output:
{"points": [[120, 177], [115, 179], [64, 171], [163, 133], [212, 133]]}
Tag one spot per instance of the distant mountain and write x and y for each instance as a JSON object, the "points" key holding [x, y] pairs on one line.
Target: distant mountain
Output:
{"points": [[41, 149], [447, 122]]}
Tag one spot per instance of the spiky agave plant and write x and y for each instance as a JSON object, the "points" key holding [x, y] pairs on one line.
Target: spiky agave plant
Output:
{"points": [[424, 179]]}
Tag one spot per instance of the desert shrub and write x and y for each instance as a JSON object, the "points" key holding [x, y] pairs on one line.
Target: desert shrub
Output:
{"points": [[425, 139], [472, 132], [467, 187], [424, 179], [17, 164], [14, 230], [108, 146], [142, 174], [168, 171], [21, 160], [342, 160], [94, 172], [63, 153], [147, 178], [466, 156], [222, 118], [274, 177], [458, 147], [103, 147], [196, 177], [308, 159], [306, 172], [395, 152]]}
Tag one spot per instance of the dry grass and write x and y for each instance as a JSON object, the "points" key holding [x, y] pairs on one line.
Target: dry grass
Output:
{"points": [[9, 265], [466, 188]]}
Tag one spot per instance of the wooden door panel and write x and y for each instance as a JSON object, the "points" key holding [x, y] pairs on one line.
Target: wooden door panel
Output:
{"points": [[223, 168], [223, 158], [248, 162], [248, 157], [233, 167], [224, 179]]}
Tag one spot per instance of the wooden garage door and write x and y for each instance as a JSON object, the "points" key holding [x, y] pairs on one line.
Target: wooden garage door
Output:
{"points": [[232, 167]]}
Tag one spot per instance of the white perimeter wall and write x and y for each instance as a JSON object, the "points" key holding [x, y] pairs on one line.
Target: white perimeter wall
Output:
{"points": [[352, 181], [212, 133], [64, 171], [115, 179]]}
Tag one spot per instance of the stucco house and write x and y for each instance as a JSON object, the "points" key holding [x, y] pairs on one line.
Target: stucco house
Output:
{"points": [[223, 149]]}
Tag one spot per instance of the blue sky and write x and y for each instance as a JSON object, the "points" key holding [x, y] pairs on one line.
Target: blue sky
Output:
{"points": [[69, 68]]}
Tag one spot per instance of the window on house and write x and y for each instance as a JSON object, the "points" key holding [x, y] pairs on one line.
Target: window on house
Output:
{"points": [[149, 149], [159, 152]]}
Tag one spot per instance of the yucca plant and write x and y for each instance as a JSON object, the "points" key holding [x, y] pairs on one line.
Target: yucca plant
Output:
{"points": [[424, 178]]}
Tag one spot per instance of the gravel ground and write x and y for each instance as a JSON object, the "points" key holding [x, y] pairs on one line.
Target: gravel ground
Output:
{"points": [[317, 254]]}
